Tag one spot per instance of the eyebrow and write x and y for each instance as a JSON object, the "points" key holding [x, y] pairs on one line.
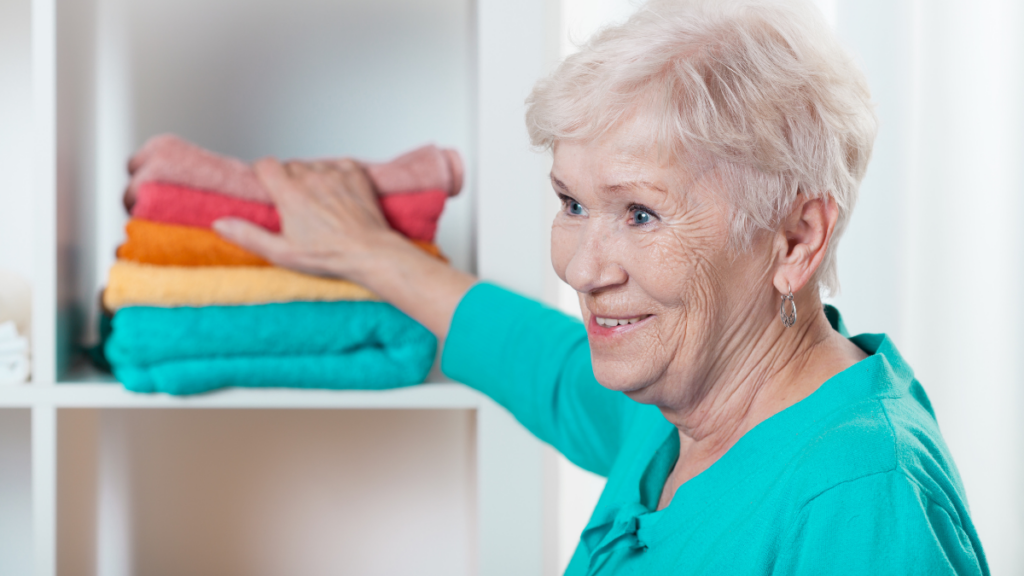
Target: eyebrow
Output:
{"points": [[619, 187], [558, 183], [634, 184]]}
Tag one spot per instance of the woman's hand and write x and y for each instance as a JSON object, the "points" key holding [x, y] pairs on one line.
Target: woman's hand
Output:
{"points": [[330, 219], [332, 225]]}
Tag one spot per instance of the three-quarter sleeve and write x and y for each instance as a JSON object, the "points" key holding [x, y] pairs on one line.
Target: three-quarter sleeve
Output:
{"points": [[535, 362]]}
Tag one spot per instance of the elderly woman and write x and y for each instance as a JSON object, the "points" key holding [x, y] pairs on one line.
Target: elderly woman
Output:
{"points": [[707, 154]]}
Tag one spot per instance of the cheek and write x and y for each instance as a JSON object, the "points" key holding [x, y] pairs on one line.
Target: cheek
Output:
{"points": [[661, 266], [682, 259], [563, 246]]}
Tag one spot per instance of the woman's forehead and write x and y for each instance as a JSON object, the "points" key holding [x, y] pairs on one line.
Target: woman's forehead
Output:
{"points": [[615, 165]]}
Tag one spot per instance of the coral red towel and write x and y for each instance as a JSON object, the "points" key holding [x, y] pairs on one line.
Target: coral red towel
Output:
{"points": [[414, 214], [174, 204], [167, 158]]}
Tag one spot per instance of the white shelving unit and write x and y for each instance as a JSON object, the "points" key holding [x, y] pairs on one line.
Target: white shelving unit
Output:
{"points": [[433, 479]]}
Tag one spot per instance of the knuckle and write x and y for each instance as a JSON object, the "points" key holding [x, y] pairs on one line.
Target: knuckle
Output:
{"points": [[334, 178], [295, 168], [310, 179]]}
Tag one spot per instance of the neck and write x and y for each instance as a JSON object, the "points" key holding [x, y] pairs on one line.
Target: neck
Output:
{"points": [[763, 369]]}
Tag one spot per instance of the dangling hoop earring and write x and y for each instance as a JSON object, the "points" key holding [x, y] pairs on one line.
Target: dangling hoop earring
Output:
{"points": [[788, 319]]}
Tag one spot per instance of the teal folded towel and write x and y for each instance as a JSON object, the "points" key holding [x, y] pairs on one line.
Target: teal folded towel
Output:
{"points": [[365, 345]]}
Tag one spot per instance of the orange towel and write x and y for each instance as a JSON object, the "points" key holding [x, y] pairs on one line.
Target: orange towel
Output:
{"points": [[172, 245]]}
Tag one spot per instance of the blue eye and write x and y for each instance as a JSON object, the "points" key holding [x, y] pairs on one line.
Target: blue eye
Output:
{"points": [[575, 208], [641, 217]]}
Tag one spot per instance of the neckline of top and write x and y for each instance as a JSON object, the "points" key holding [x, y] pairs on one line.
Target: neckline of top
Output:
{"points": [[872, 377]]}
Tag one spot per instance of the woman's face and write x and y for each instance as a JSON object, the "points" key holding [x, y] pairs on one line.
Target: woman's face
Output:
{"points": [[646, 247]]}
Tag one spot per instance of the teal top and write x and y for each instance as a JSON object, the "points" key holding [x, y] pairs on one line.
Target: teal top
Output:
{"points": [[854, 479]]}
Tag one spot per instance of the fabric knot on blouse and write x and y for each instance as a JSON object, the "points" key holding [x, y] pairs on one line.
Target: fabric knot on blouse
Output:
{"points": [[618, 533]]}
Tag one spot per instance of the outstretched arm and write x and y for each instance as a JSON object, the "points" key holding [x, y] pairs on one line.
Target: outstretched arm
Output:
{"points": [[533, 360]]}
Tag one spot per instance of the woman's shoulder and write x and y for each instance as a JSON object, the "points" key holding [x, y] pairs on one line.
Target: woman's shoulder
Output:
{"points": [[883, 523], [881, 435], [875, 473], [877, 420]]}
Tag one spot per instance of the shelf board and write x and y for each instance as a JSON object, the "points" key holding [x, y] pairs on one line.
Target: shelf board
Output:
{"points": [[431, 395], [84, 386]]}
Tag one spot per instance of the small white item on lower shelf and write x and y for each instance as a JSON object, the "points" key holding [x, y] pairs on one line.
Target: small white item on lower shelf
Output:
{"points": [[16, 301], [14, 363]]}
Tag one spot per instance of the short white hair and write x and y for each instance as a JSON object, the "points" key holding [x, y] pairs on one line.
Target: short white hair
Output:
{"points": [[762, 92]]}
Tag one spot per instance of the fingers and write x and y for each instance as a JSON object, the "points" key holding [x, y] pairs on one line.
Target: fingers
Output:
{"points": [[362, 193], [355, 179], [253, 238], [338, 187], [292, 179], [274, 177], [297, 168], [319, 184], [319, 166]]}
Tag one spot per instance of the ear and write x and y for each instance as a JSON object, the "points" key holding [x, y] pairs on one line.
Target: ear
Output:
{"points": [[803, 240]]}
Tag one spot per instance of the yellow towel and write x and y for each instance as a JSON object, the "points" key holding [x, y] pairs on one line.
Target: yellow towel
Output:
{"points": [[133, 284]]}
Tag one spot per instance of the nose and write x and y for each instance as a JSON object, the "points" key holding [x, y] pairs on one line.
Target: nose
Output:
{"points": [[592, 266]]}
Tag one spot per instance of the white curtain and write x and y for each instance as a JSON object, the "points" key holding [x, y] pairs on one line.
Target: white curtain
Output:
{"points": [[934, 255]]}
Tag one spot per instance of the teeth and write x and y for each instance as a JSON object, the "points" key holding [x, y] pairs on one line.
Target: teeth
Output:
{"points": [[613, 322]]}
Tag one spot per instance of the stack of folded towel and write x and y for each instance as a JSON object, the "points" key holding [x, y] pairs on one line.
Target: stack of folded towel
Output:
{"points": [[193, 313]]}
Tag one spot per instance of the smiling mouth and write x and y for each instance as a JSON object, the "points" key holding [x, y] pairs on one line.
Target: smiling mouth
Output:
{"points": [[613, 322]]}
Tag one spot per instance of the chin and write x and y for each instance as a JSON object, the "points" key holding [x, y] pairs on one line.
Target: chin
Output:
{"points": [[620, 377]]}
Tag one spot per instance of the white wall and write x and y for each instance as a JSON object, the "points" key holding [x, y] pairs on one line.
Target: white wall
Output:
{"points": [[15, 492], [266, 492], [15, 138]]}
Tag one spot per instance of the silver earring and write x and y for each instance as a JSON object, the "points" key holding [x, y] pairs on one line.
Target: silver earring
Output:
{"points": [[788, 319]]}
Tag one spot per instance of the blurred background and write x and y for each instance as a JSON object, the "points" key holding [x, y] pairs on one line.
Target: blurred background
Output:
{"points": [[934, 255]]}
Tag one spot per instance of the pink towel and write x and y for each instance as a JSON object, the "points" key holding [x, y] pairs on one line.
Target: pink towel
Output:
{"points": [[414, 214], [167, 158]]}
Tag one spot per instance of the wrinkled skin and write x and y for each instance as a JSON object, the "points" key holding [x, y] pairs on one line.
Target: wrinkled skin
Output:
{"points": [[638, 236], [679, 267]]}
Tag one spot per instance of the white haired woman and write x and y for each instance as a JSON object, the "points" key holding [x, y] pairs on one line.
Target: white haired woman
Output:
{"points": [[707, 154]]}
